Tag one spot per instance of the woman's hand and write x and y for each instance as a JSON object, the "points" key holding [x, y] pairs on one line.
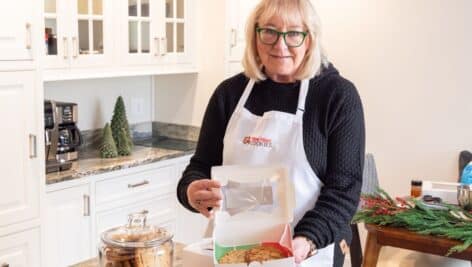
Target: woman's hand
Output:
{"points": [[301, 248], [204, 194]]}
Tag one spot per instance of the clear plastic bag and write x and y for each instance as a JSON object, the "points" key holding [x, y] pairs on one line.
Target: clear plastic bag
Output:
{"points": [[258, 196]]}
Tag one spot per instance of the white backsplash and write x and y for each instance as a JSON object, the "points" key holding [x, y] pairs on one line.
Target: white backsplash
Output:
{"points": [[96, 98]]}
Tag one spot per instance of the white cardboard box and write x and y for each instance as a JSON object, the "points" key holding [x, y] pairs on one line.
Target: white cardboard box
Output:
{"points": [[252, 227], [198, 254], [446, 191]]}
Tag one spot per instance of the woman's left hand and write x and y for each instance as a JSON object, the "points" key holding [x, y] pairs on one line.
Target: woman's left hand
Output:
{"points": [[301, 248]]}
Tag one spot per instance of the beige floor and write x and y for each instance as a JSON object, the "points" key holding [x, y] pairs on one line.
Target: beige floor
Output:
{"points": [[392, 257]]}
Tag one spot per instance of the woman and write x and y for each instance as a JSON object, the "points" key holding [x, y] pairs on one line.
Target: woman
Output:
{"points": [[312, 117]]}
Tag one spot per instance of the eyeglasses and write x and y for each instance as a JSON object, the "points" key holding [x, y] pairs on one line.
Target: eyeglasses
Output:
{"points": [[270, 37]]}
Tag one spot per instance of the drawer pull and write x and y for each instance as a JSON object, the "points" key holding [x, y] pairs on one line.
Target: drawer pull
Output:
{"points": [[33, 147], [145, 182], [158, 47], [75, 47], [65, 43], [86, 205], [28, 38], [234, 38]]}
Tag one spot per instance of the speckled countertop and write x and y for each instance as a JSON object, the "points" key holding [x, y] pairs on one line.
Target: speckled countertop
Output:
{"points": [[144, 152]]}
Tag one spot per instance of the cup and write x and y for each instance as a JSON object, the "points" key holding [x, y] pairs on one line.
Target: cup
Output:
{"points": [[464, 197]]}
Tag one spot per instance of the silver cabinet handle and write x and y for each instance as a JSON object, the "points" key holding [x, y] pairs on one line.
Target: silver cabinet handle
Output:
{"points": [[145, 182], [86, 205], [33, 146], [164, 46], [28, 37], [158, 47], [234, 37], [75, 47], [66, 47]]}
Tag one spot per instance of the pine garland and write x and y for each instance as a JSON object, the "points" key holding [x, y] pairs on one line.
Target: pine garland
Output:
{"points": [[380, 209]]}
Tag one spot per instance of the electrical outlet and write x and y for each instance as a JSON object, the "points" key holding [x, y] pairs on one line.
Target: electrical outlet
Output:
{"points": [[137, 106]]}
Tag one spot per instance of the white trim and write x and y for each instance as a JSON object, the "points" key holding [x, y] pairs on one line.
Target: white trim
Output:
{"points": [[77, 73]]}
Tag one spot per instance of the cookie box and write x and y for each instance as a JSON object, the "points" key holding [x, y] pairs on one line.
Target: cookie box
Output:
{"points": [[258, 232]]}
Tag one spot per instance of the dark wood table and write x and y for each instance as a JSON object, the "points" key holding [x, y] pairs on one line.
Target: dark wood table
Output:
{"points": [[379, 236]]}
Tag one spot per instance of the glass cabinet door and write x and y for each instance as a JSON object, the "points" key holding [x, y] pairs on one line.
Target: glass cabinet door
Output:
{"points": [[139, 26], [175, 26], [90, 38], [50, 27], [56, 42]]}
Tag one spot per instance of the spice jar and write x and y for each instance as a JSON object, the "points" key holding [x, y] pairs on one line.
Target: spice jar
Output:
{"points": [[136, 245], [416, 190]]}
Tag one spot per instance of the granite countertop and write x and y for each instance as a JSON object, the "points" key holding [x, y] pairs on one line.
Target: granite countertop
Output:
{"points": [[144, 152], [177, 258]]}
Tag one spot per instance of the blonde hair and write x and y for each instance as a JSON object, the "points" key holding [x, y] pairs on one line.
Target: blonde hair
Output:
{"points": [[287, 10]]}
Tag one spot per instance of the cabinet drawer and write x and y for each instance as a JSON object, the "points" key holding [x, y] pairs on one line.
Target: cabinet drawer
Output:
{"points": [[136, 186], [161, 212], [20, 249]]}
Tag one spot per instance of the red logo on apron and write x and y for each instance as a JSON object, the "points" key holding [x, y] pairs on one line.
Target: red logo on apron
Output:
{"points": [[257, 141]]}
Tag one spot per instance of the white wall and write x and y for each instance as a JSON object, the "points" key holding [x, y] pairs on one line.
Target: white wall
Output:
{"points": [[96, 98], [182, 99], [410, 62]]}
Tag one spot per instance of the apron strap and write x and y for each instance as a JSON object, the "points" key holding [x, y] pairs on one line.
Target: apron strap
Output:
{"points": [[302, 97], [245, 95]]}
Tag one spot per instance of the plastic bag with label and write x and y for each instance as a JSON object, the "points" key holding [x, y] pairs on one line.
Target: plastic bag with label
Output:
{"points": [[258, 196]]}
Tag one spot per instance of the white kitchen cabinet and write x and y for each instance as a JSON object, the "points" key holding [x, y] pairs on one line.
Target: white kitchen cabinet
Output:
{"points": [[157, 31], [159, 210], [67, 226], [20, 249], [238, 12], [77, 33], [19, 167], [134, 186], [16, 30]]}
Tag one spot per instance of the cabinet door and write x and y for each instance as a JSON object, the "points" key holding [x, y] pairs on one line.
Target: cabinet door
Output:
{"points": [[91, 32], [16, 30], [141, 30], [161, 212], [19, 164], [56, 47], [179, 32], [67, 227], [238, 12], [20, 249]]}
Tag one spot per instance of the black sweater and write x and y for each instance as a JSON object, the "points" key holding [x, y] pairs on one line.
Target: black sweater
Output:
{"points": [[333, 135]]}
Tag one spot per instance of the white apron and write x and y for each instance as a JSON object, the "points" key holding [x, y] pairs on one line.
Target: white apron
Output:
{"points": [[277, 137]]}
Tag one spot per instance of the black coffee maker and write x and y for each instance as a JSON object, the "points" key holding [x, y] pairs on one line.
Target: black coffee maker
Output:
{"points": [[62, 136]]}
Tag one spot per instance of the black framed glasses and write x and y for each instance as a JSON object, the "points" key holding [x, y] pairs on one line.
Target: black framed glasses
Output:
{"points": [[270, 36]]}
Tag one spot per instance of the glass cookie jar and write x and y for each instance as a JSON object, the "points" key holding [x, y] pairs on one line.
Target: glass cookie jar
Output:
{"points": [[136, 245]]}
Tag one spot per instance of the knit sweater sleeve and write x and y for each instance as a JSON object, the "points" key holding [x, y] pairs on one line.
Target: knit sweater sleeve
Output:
{"points": [[209, 151], [329, 220]]}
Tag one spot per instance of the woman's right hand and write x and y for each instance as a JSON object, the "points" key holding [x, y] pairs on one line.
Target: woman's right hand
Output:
{"points": [[204, 195]]}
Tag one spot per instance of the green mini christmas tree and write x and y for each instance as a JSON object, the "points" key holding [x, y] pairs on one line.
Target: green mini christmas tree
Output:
{"points": [[120, 129], [125, 147], [108, 147]]}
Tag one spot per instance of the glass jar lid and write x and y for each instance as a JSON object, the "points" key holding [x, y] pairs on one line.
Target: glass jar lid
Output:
{"points": [[136, 234]]}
